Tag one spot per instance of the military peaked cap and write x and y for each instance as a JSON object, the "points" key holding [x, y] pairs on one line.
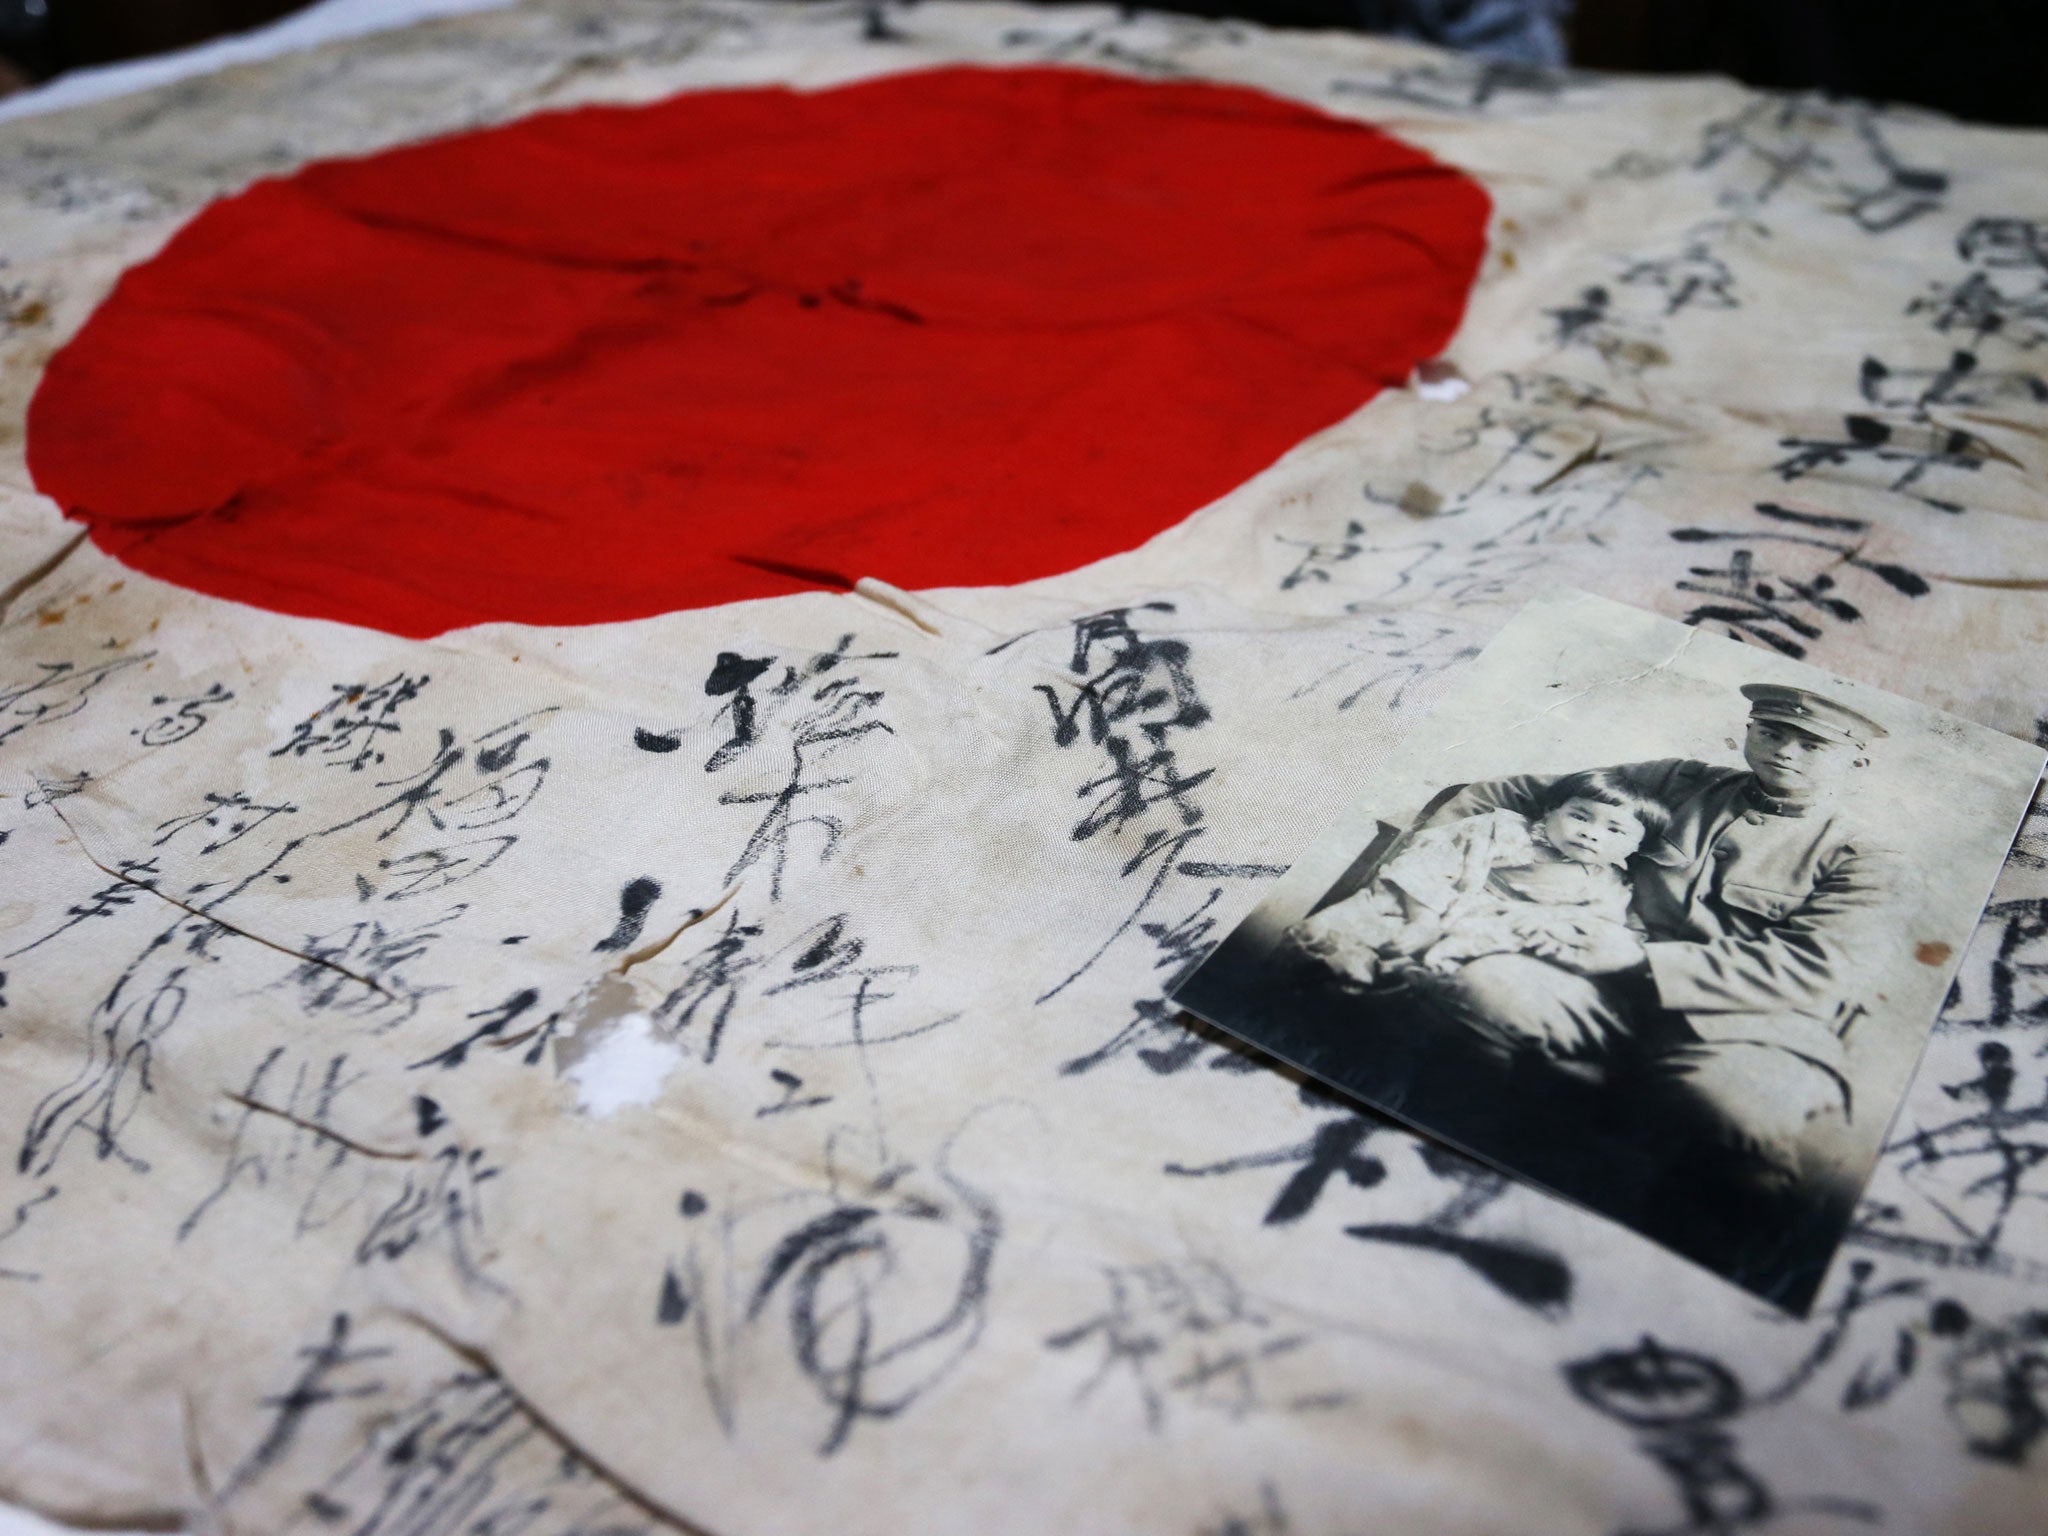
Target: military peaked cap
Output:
{"points": [[1811, 713]]}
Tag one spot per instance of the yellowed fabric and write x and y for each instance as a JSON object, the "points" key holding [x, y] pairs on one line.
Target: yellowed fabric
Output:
{"points": [[934, 1216]]}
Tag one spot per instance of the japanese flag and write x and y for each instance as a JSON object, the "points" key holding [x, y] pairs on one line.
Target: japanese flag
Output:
{"points": [[638, 640]]}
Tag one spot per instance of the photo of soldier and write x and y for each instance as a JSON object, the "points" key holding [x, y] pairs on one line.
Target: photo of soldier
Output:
{"points": [[1712, 1064], [1725, 1016]]}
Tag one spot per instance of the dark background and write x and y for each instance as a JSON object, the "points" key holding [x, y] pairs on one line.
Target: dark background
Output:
{"points": [[1985, 60]]}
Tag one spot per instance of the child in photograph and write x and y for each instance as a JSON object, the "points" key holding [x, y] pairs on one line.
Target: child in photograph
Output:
{"points": [[1499, 883]]}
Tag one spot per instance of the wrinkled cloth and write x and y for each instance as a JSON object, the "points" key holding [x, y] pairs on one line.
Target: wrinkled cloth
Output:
{"points": [[711, 1071]]}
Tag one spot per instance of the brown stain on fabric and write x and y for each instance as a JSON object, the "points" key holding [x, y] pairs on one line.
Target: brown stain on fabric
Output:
{"points": [[1932, 953]]}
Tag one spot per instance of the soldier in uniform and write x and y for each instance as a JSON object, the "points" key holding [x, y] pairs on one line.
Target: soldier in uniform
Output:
{"points": [[1728, 1017]]}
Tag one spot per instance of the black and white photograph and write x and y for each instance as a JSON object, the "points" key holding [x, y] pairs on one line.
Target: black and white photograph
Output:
{"points": [[1653, 919]]}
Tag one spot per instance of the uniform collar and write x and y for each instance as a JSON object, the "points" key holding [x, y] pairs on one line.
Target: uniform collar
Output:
{"points": [[1755, 798], [1745, 800]]}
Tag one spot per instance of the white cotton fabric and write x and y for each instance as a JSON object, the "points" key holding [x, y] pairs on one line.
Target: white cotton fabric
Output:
{"points": [[944, 1221]]}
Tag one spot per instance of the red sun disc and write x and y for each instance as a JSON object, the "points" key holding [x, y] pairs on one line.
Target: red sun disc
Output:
{"points": [[957, 327]]}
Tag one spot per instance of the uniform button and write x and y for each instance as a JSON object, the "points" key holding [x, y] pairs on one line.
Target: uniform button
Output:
{"points": [[1754, 818], [1723, 851]]}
